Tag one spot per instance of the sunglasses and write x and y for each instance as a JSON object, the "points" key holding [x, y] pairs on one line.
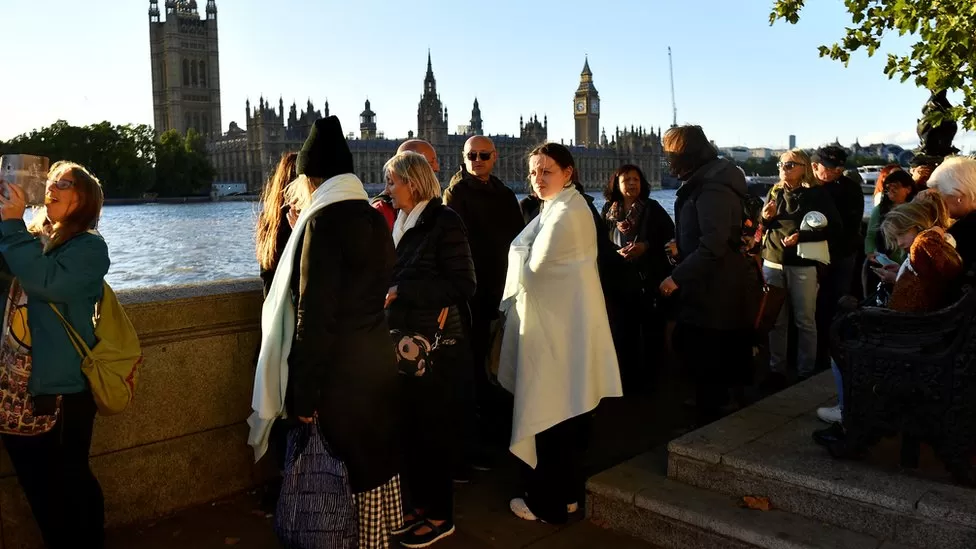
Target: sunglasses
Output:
{"points": [[788, 165], [476, 155], [60, 184]]}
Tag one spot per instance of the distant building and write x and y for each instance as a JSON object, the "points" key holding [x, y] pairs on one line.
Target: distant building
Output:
{"points": [[737, 154], [191, 99], [792, 142], [185, 67]]}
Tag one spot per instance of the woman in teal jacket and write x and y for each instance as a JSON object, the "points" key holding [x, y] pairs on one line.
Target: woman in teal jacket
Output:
{"points": [[58, 259]]}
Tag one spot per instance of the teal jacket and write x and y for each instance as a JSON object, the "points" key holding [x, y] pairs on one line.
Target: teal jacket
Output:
{"points": [[71, 277]]}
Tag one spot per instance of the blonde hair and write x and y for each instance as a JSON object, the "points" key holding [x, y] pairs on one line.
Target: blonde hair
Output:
{"points": [[414, 170], [917, 215], [273, 199], [91, 198], [298, 193], [800, 156], [955, 175], [936, 203]]}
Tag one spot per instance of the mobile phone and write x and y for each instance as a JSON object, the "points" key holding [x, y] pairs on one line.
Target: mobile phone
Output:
{"points": [[884, 260], [27, 171]]}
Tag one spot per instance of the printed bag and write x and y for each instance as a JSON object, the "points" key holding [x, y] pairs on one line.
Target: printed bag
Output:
{"points": [[16, 405], [414, 351], [316, 508]]}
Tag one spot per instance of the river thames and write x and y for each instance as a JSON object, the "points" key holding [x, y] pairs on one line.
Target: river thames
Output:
{"points": [[162, 244]]}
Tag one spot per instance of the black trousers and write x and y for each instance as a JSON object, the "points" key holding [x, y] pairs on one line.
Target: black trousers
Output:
{"points": [[836, 282], [558, 478], [432, 434], [717, 360], [490, 411], [54, 472]]}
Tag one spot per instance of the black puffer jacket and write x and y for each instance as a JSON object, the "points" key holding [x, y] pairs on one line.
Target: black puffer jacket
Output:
{"points": [[713, 278], [433, 270]]}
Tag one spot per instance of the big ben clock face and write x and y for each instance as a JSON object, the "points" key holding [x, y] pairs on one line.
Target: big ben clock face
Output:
{"points": [[594, 106], [580, 106]]}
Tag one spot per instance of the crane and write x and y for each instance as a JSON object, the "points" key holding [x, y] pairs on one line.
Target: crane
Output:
{"points": [[674, 106]]}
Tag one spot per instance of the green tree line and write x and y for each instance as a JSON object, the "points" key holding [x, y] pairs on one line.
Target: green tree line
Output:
{"points": [[127, 159]]}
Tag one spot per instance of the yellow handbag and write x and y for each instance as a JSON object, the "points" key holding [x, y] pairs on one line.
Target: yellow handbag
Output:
{"points": [[112, 365]]}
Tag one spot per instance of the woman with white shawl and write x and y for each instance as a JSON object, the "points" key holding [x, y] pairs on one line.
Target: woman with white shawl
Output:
{"points": [[557, 354], [326, 355]]}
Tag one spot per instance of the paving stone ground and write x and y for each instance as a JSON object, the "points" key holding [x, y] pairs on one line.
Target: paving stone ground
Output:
{"points": [[624, 428]]}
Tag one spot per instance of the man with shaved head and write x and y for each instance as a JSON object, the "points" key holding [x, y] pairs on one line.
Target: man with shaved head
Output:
{"points": [[382, 202], [422, 148], [493, 219]]}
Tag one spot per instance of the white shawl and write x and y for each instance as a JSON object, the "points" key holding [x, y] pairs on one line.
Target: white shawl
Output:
{"points": [[278, 317], [557, 354]]}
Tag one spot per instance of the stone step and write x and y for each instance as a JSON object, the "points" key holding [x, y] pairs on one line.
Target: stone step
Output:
{"points": [[766, 450], [641, 502]]}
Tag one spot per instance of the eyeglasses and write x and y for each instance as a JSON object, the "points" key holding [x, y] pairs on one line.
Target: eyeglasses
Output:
{"points": [[472, 156], [788, 165], [61, 184]]}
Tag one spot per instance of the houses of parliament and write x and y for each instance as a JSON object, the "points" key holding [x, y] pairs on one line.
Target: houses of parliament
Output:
{"points": [[186, 94]]}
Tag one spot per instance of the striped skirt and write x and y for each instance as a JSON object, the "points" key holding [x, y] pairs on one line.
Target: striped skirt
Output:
{"points": [[380, 511]]}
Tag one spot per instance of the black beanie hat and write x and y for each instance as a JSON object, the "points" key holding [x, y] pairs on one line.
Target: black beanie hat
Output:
{"points": [[325, 153]]}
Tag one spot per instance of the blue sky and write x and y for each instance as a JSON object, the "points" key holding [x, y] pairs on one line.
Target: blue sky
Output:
{"points": [[745, 82]]}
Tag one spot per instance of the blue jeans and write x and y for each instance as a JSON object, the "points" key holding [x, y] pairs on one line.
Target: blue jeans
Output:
{"points": [[839, 382], [801, 285]]}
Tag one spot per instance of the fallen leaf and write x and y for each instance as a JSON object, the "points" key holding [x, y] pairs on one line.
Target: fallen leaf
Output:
{"points": [[757, 503], [232, 541]]}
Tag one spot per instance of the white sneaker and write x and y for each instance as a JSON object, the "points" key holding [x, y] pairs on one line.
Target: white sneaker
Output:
{"points": [[521, 509], [834, 414]]}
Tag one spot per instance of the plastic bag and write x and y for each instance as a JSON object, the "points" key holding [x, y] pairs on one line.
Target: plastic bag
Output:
{"points": [[316, 508]]}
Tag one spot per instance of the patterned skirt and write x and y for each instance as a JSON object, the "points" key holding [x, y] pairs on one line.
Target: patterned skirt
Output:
{"points": [[380, 511]]}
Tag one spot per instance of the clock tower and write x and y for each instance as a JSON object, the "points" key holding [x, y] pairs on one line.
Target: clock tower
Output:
{"points": [[586, 110]]}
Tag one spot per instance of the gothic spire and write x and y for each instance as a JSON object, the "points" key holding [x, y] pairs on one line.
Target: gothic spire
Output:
{"points": [[586, 67], [430, 85]]}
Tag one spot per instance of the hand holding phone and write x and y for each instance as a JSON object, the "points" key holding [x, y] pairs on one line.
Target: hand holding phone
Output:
{"points": [[884, 260]]}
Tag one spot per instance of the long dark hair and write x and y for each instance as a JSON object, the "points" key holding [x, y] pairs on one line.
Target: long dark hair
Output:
{"points": [[898, 177], [86, 214], [562, 157], [687, 149], [273, 199], [612, 191]]}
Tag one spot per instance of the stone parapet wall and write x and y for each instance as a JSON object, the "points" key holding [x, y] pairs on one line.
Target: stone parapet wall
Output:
{"points": [[184, 440]]}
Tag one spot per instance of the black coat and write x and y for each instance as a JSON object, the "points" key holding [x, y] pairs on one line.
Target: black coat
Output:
{"points": [[433, 270], [849, 200], [656, 228], [342, 363], [713, 277], [791, 207], [964, 231], [490, 212]]}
